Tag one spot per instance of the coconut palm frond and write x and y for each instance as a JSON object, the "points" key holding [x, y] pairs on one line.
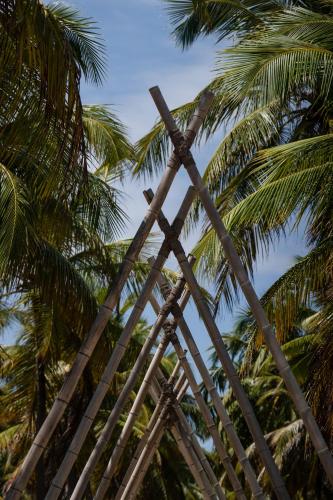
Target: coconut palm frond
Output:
{"points": [[107, 141]]}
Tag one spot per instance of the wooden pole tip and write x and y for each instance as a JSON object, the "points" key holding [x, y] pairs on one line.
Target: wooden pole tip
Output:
{"points": [[154, 90]]}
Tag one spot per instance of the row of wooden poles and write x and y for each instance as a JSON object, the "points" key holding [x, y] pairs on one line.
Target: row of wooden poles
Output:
{"points": [[168, 394]]}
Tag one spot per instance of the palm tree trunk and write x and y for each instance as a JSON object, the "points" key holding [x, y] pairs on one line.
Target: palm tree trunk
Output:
{"points": [[223, 355], [91, 411], [66, 393], [257, 309]]}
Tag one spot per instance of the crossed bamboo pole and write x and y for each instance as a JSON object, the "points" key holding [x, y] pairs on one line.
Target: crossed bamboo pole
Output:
{"points": [[303, 409], [185, 445], [236, 444], [102, 388], [132, 417], [66, 393], [125, 489], [159, 324], [155, 393], [105, 435], [196, 446], [223, 355], [134, 476]]}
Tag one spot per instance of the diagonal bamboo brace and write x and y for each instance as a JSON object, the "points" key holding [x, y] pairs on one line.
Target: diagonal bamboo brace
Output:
{"points": [[125, 393], [225, 459], [160, 322], [66, 393], [156, 396], [185, 447], [102, 388], [190, 432], [223, 355], [294, 390]]}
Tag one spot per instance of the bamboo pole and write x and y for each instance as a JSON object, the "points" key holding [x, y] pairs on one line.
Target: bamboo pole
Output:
{"points": [[102, 388], [185, 445], [190, 432], [147, 453], [66, 393], [240, 453], [183, 389], [130, 421], [221, 411], [197, 358], [132, 416], [200, 454], [256, 490], [156, 395], [145, 459], [125, 393], [257, 309], [222, 352]]}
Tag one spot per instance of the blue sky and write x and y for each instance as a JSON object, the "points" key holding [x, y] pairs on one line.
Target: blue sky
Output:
{"points": [[141, 54]]}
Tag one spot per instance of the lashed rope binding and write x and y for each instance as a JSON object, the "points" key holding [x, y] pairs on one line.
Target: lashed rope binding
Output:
{"points": [[167, 395]]}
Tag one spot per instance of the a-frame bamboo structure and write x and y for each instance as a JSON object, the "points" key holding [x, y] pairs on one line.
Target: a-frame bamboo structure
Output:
{"points": [[167, 394]]}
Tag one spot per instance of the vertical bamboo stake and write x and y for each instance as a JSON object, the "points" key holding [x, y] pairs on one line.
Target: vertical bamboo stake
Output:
{"points": [[102, 388], [123, 398], [294, 389], [222, 352], [46, 431]]}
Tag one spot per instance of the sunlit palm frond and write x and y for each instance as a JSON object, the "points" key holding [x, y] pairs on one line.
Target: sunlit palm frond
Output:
{"points": [[259, 71], [193, 19], [107, 141]]}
